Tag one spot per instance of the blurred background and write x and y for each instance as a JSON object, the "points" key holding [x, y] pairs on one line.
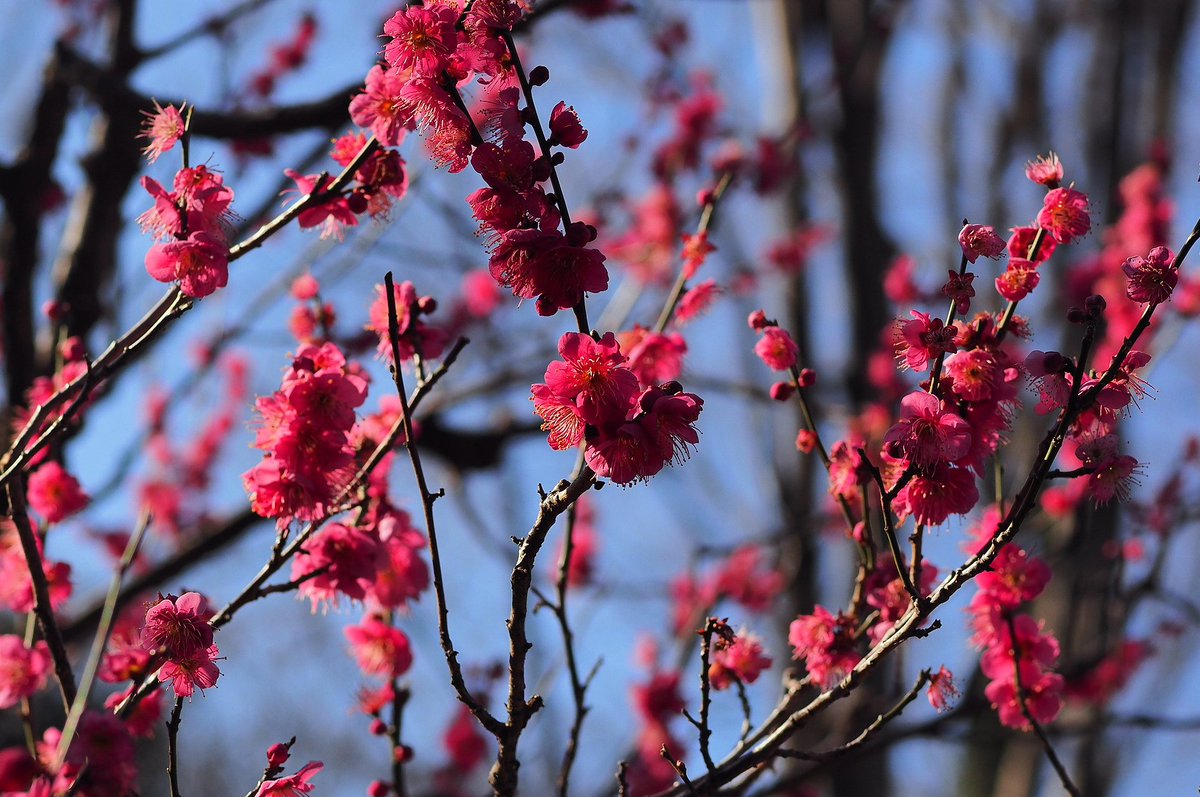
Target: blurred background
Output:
{"points": [[890, 123]]}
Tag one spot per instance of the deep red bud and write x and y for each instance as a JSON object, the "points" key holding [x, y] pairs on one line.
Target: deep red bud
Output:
{"points": [[808, 377], [539, 75], [782, 391]]}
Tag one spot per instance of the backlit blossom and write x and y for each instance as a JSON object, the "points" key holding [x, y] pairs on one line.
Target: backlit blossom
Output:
{"points": [[423, 38], [293, 785], [1064, 215], [1015, 577], [942, 690], [980, 240], [379, 648], [1042, 693], [381, 109], [337, 560], [162, 128], [1045, 170], [187, 673], [565, 129]]}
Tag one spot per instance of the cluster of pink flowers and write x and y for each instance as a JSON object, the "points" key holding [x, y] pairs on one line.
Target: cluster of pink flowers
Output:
{"points": [[435, 48], [305, 429], [377, 562], [379, 182], [193, 218], [99, 763], [631, 430], [1009, 640]]}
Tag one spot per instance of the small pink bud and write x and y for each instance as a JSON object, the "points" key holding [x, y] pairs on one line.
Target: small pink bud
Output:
{"points": [[782, 391], [378, 727], [757, 320], [278, 754], [808, 377]]}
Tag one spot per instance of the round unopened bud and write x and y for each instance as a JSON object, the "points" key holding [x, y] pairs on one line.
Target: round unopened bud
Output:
{"points": [[357, 202], [757, 321], [1076, 315], [379, 789], [705, 196], [1095, 305], [782, 391], [427, 304], [378, 727], [539, 75], [808, 377]]}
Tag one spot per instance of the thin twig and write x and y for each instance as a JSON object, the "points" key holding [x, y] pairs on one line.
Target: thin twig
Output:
{"points": [[578, 685], [428, 498], [867, 732], [173, 746]]}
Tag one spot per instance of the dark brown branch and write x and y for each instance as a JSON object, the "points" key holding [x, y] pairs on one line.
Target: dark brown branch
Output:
{"points": [[173, 747]]}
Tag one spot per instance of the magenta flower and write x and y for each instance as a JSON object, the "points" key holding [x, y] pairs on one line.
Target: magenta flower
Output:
{"points": [[1152, 278], [423, 39], [927, 432], [1042, 692], [1015, 577], [1045, 170], [55, 494], [593, 375], [826, 644], [921, 340], [777, 349], [293, 785], [23, 671], [1064, 215], [163, 128], [565, 129], [187, 673], [980, 240], [1022, 239], [1018, 280], [199, 263], [742, 660], [179, 626], [380, 649], [381, 109]]}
